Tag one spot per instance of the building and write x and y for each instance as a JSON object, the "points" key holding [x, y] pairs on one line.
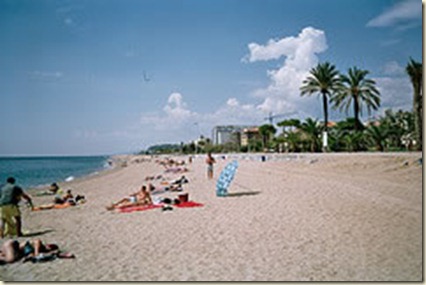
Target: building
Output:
{"points": [[227, 134], [249, 134]]}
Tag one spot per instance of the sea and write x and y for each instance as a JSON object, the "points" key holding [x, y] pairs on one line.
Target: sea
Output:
{"points": [[31, 172]]}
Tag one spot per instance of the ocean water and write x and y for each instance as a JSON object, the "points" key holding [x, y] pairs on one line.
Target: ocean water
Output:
{"points": [[38, 171]]}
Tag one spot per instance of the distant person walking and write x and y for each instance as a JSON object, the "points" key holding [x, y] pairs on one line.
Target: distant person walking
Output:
{"points": [[10, 216], [210, 161]]}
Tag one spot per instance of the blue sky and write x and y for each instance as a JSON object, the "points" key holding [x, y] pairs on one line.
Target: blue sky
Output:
{"points": [[104, 77]]}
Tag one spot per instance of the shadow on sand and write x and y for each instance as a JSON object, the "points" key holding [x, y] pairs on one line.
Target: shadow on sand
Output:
{"points": [[239, 194], [39, 233]]}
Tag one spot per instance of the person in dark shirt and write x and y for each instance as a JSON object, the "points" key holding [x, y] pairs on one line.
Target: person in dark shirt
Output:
{"points": [[10, 196]]}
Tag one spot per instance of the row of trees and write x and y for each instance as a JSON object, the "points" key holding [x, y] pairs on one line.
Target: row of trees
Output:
{"points": [[358, 91], [393, 131]]}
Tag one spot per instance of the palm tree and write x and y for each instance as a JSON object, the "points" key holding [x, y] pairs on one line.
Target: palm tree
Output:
{"points": [[402, 125], [377, 135], [293, 140], [338, 134], [324, 79], [311, 128], [414, 70], [266, 131], [356, 89], [354, 140]]}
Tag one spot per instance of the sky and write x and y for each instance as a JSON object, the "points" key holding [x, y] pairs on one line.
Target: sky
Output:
{"points": [[116, 76]]}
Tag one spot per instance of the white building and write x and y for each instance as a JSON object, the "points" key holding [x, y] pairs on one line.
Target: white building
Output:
{"points": [[225, 134]]}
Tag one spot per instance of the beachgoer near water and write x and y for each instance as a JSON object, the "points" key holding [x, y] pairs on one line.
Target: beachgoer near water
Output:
{"points": [[54, 188], [210, 161], [10, 216], [143, 197], [34, 250], [62, 202]]}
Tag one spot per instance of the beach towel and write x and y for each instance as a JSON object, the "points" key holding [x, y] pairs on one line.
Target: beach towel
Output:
{"points": [[189, 204]]}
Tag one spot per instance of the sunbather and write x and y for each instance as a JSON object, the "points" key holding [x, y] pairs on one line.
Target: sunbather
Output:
{"points": [[143, 197], [67, 200], [181, 180], [34, 250]]}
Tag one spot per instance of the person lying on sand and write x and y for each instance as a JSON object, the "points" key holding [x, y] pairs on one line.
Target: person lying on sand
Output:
{"points": [[68, 198], [180, 181], [31, 250], [176, 170], [62, 202], [143, 197], [149, 178], [54, 189]]}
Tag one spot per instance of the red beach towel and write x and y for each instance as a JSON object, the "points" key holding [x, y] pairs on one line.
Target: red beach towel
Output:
{"points": [[189, 204]]}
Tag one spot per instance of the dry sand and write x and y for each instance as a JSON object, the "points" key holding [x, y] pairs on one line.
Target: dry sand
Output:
{"points": [[334, 217]]}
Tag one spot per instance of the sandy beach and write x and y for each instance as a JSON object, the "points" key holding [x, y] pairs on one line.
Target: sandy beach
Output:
{"points": [[294, 217]]}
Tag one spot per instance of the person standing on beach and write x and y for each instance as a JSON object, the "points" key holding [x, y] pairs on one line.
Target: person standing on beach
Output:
{"points": [[10, 196], [210, 161]]}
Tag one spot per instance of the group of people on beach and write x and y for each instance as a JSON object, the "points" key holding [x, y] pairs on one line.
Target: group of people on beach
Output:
{"points": [[61, 198], [34, 250], [11, 225], [143, 196]]}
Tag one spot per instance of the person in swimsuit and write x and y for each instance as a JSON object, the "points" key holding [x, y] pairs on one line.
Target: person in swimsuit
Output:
{"points": [[210, 161], [34, 250], [143, 197]]}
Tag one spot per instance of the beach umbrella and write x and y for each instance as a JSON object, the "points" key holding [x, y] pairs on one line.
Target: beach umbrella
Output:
{"points": [[225, 178]]}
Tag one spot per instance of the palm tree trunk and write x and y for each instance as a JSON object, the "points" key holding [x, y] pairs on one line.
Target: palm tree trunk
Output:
{"points": [[356, 114], [417, 110], [325, 105]]}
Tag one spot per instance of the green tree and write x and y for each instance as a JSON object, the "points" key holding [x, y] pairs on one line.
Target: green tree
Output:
{"points": [[293, 140], [266, 131], [354, 141], [323, 79], [356, 89], [292, 123], [377, 135], [401, 128], [312, 130], [414, 70]]}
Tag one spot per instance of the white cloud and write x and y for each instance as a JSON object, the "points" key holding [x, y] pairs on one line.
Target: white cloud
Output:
{"points": [[393, 68], [177, 121], [395, 92], [309, 41], [399, 14], [282, 95], [233, 102], [176, 108]]}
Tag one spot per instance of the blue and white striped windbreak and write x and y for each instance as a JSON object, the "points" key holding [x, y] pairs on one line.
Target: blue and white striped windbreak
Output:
{"points": [[225, 178]]}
